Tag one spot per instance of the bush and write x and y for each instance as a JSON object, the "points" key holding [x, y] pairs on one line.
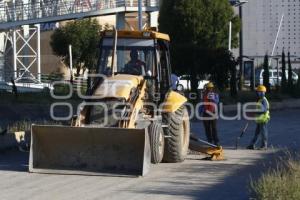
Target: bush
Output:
{"points": [[281, 183], [25, 125]]}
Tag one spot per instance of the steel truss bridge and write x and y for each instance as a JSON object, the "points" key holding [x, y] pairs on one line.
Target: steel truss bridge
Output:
{"points": [[16, 35], [15, 13]]}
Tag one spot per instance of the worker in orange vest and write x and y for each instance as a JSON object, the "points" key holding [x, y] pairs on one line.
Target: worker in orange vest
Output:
{"points": [[208, 111]]}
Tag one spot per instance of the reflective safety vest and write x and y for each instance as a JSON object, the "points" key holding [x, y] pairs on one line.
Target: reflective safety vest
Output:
{"points": [[264, 117]]}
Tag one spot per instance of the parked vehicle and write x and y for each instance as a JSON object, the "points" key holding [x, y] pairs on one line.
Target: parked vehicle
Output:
{"points": [[185, 83], [273, 76]]}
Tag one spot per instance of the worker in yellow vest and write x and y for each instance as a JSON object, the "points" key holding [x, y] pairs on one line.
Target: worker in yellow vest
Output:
{"points": [[262, 118]]}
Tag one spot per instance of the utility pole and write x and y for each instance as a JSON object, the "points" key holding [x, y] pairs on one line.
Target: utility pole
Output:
{"points": [[240, 3], [71, 63], [230, 36], [241, 50], [140, 15]]}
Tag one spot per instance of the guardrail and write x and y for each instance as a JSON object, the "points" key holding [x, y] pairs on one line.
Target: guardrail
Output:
{"points": [[47, 79], [78, 82]]}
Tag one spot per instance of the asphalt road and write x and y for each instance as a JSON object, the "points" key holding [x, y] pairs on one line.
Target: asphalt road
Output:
{"points": [[193, 179]]}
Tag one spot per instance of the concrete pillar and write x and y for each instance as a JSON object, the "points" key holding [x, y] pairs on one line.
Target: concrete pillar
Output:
{"points": [[153, 18], [120, 25], [120, 21]]}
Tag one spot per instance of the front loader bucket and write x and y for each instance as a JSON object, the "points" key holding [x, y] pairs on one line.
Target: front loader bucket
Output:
{"points": [[89, 151]]}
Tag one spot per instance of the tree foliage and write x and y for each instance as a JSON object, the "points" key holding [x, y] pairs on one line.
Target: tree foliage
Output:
{"points": [[201, 22], [199, 37], [84, 36], [266, 74]]}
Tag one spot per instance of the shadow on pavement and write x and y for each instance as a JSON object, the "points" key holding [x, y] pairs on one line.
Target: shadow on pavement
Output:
{"points": [[215, 184], [14, 160]]}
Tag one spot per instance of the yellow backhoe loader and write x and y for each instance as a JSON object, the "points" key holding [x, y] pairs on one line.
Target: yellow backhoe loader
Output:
{"points": [[130, 116]]}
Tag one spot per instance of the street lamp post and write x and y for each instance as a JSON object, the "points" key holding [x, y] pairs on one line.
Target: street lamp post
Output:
{"points": [[239, 4], [241, 49], [230, 36]]}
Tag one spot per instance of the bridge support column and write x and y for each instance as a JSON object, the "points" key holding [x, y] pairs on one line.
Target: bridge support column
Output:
{"points": [[120, 21], [38, 54], [153, 18], [26, 56], [14, 40], [120, 25]]}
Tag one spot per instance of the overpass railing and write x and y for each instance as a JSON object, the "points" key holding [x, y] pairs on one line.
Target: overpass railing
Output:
{"points": [[39, 9]]}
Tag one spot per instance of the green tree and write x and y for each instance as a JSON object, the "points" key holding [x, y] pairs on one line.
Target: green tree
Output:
{"points": [[290, 74], [201, 22], [283, 68], [233, 77], [266, 75], [222, 68], [84, 36], [197, 27]]}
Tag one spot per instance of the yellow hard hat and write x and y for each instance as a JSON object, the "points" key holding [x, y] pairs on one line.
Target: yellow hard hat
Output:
{"points": [[261, 88], [210, 85]]}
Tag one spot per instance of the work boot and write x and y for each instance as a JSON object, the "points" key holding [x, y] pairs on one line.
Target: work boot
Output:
{"points": [[263, 148], [251, 146]]}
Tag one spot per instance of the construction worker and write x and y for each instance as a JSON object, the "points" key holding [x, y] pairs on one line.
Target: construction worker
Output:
{"points": [[135, 66], [262, 117], [208, 111]]}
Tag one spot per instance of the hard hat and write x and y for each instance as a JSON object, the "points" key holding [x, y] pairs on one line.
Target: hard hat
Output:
{"points": [[210, 85], [261, 88]]}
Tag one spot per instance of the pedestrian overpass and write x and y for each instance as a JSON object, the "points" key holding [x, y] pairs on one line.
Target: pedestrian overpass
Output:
{"points": [[17, 15], [14, 13]]}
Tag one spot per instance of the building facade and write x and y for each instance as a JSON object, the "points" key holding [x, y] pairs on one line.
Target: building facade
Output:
{"points": [[261, 23]]}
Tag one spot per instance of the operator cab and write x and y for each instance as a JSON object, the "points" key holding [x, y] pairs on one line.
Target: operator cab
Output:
{"points": [[140, 53]]}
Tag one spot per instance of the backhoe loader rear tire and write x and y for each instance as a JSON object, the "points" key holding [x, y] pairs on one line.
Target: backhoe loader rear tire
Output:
{"points": [[157, 143], [178, 135]]}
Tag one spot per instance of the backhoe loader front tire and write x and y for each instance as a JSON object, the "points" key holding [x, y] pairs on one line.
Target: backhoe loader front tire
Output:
{"points": [[157, 143], [178, 135]]}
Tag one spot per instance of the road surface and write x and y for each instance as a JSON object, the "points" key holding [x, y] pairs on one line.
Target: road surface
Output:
{"points": [[193, 179]]}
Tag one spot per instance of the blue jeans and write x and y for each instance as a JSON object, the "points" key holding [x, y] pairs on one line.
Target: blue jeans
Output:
{"points": [[262, 130]]}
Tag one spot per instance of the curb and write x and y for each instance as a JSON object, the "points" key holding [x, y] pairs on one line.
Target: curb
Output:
{"points": [[285, 104], [13, 140]]}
